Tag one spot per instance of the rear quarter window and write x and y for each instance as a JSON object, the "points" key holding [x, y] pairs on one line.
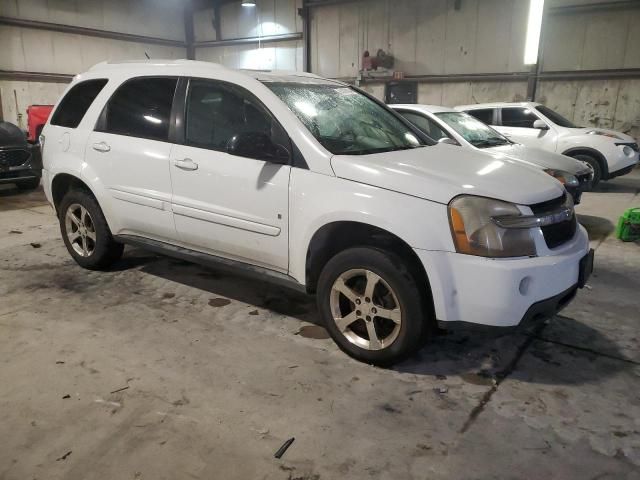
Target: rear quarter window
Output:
{"points": [[76, 102], [140, 107]]}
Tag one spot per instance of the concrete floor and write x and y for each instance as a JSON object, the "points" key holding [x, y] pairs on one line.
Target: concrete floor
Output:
{"points": [[160, 369]]}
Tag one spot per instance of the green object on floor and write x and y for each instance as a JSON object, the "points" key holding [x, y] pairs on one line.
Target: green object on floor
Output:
{"points": [[628, 228]]}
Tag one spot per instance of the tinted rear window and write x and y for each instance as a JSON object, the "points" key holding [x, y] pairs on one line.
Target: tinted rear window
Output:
{"points": [[76, 103], [485, 115], [141, 107]]}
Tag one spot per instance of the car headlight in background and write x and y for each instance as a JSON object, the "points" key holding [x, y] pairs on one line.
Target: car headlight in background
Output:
{"points": [[565, 178], [628, 151], [475, 231], [603, 134]]}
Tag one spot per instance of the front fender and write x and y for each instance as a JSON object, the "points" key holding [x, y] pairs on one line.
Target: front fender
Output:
{"points": [[317, 200]]}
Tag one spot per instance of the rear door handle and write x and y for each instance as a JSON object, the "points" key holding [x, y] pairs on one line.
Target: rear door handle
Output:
{"points": [[101, 147], [186, 164]]}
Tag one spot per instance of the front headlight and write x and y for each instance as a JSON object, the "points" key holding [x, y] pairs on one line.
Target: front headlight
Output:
{"points": [[475, 231], [565, 178], [603, 134]]}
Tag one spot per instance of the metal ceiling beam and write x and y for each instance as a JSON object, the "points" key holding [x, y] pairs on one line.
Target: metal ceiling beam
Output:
{"points": [[509, 77], [91, 32], [18, 75], [615, 74], [188, 30], [249, 40], [594, 7]]}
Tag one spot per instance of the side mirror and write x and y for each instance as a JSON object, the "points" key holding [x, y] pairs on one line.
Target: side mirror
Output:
{"points": [[448, 141], [540, 125], [258, 145]]}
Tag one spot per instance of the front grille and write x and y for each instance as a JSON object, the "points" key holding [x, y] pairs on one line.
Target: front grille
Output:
{"points": [[13, 157], [558, 233], [549, 205]]}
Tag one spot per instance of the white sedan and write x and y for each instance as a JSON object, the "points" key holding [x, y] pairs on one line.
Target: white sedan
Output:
{"points": [[451, 126]]}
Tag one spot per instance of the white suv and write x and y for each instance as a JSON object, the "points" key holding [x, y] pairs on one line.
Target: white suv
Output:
{"points": [[311, 183], [609, 153]]}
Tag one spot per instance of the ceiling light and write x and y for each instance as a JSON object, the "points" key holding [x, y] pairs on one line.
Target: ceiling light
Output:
{"points": [[534, 25], [248, 3]]}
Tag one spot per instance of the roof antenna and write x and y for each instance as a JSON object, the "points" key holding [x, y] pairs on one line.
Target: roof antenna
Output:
{"points": [[147, 55]]}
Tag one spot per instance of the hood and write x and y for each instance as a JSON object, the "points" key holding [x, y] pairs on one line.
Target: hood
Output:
{"points": [[538, 157], [622, 137], [441, 172]]}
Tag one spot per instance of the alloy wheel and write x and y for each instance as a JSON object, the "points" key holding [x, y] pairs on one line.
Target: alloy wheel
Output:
{"points": [[365, 309], [80, 230]]}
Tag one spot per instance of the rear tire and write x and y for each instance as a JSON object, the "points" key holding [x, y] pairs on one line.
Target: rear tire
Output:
{"points": [[85, 231], [28, 184], [373, 307], [595, 165]]}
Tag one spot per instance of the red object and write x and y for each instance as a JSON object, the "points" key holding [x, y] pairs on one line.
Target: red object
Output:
{"points": [[37, 116]]}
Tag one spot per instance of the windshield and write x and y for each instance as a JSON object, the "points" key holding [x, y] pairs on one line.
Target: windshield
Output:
{"points": [[345, 121], [473, 130], [555, 117]]}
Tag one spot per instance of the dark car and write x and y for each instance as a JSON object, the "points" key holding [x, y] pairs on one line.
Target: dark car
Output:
{"points": [[20, 161]]}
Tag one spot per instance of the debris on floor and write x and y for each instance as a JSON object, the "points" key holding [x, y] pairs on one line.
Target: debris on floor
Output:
{"points": [[284, 448], [64, 457]]}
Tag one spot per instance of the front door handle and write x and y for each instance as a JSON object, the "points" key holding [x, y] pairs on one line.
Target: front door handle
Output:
{"points": [[186, 164], [101, 147]]}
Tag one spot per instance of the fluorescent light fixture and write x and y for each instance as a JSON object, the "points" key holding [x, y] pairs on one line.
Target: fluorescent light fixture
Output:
{"points": [[248, 3], [534, 25]]}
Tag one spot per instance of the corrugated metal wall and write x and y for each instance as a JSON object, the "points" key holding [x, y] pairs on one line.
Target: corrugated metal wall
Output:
{"points": [[432, 37], [35, 50], [268, 17]]}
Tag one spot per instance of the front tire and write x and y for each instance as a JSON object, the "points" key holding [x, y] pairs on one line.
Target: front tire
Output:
{"points": [[595, 165], [373, 306], [85, 232]]}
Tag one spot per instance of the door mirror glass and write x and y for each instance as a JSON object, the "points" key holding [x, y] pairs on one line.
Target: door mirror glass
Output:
{"points": [[257, 145], [448, 141], [540, 125]]}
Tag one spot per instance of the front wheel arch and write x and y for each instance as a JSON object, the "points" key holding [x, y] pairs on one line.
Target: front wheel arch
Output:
{"points": [[335, 237], [592, 152]]}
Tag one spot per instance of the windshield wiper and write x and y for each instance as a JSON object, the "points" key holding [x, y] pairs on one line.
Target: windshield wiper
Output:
{"points": [[490, 142]]}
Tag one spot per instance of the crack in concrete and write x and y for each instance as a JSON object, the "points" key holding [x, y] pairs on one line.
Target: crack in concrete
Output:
{"points": [[501, 376], [586, 349]]}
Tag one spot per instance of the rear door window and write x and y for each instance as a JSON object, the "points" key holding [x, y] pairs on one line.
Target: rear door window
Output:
{"points": [[141, 108], [518, 117], [76, 103], [485, 115]]}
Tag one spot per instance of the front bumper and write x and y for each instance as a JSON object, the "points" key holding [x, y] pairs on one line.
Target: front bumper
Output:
{"points": [[500, 292], [619, 163], [30, 169]]}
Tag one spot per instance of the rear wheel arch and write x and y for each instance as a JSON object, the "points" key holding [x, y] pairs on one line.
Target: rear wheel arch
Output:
{"points": [[335, 237], [62, 183]]}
